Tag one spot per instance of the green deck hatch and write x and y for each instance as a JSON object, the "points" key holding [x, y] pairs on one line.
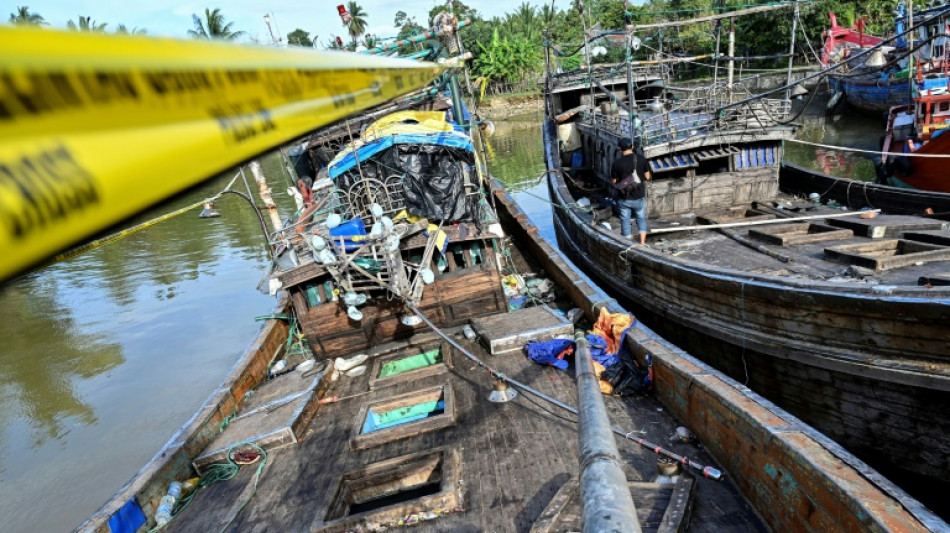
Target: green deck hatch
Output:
{"points": [[413, 362]]}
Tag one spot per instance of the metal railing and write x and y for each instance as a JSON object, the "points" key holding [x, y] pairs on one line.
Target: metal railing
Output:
{"points": [[661, 122]]}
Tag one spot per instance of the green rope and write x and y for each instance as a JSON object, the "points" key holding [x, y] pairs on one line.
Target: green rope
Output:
{"points": [[216, 473]]}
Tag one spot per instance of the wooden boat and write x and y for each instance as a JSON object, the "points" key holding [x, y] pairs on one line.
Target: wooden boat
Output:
{"points": [[841, 320], [915, 147], [473, 465], [869, 88], [509, 467], [854, 194]]}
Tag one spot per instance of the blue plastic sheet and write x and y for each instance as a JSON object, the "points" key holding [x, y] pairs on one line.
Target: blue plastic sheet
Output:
{"points": [[128, 519], [598, 351], [545, 352]]}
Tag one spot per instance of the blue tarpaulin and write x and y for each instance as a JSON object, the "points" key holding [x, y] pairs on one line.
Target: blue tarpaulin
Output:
{"points": [[598, 351], [451, 139], [546, 352], [128, 519]]}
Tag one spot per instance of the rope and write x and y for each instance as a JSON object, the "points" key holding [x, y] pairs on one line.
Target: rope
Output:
{"points": [[216, 473], [92, 245], [708, 471], [862, 151]]}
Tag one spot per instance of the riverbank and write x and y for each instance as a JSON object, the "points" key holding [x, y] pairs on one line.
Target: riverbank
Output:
{"points": [[507, 106]]}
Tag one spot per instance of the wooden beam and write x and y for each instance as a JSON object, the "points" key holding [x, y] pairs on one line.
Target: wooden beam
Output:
{"points": [[758, 222]]}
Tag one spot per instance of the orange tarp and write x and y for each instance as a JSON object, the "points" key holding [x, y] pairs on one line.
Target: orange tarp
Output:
{"points": [[611, 326]]}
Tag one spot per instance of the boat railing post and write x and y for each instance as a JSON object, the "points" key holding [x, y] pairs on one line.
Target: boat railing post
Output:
{"points": [[732, 54], [605, 496], [791, 54]]}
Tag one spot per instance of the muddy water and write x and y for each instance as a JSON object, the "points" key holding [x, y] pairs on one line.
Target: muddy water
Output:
{"points": [[104, 356]]}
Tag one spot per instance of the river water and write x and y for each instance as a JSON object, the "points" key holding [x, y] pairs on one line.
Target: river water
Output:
{"points": [[107, 354], [104, 356]]}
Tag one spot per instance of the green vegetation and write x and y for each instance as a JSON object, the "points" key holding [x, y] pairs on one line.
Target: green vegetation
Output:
{"points": [[23, 17], [87, 24], [299, 37], [510, 48], [357, 26], [213, 26]]}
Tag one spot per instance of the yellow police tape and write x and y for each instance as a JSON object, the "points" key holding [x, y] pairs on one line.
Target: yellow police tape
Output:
{"points": [[95, 128]]}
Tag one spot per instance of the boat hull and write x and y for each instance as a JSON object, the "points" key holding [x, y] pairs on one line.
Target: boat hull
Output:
{"points": [[860, 194], [874, 96], [930, 173], [808, 349], [798, 478]]}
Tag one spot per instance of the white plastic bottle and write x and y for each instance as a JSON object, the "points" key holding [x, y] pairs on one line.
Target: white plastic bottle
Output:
{"points": [[163, 514]]}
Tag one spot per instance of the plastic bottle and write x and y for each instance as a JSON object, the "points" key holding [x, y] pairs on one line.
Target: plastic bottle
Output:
{"points": [[163, 514], [190, 485]]}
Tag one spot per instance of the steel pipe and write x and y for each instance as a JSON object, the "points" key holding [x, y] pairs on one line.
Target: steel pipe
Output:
{"points": [[605, 496]]}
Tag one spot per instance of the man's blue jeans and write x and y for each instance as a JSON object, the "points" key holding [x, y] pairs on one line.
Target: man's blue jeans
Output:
{"points": [[637, 208]]}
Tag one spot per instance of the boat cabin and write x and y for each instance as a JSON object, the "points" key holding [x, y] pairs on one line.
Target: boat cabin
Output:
{"points": [[401, 213]]}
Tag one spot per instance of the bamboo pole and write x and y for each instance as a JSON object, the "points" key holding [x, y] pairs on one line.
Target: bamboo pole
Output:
{"points": [[758, 222]]}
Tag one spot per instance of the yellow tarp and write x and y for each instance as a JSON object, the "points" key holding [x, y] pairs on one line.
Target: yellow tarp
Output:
{"points": [[398, 123], [405, 122]]}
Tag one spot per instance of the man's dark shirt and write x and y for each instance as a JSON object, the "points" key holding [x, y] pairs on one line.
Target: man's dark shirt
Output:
{"points": [[622, 168]]}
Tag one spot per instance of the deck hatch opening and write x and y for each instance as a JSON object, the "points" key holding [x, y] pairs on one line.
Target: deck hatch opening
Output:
{"points": [[889, 254], [410, 363], [378, 420], [402, 483], [799, 233], [406, 415]]}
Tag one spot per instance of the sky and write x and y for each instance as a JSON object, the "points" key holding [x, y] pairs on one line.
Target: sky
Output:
{"points": [[172, 18]]}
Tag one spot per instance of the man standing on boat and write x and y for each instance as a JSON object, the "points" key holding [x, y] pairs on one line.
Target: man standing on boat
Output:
{"points": [[629, 175]]}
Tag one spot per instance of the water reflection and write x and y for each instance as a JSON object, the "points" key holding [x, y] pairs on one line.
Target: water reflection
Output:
{"points": [[104, 356], [40, 386], [853, 131], [516, 158]]}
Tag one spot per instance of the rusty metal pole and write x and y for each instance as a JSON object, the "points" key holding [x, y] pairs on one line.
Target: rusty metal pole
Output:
{"points": [[605, 495]]}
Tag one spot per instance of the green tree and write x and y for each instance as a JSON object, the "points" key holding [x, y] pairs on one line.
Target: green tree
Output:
{"points": [[408, 27], [23, 17], [122, 29], [524, 22], [505, 59], [213, 26], [400, 19], [459, 9], [87, 24], [357, 24], [299, 37]]}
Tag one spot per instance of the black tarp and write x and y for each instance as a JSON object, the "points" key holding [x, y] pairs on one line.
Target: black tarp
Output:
{"points": [[433, 179]]}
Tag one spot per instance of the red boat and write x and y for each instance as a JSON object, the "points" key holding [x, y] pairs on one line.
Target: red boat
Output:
{"points": [[914, 134], [840, 40]]}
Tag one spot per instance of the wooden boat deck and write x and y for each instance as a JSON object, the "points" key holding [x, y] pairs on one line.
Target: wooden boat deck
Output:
{"points": [[514, 457], [808, 261]]}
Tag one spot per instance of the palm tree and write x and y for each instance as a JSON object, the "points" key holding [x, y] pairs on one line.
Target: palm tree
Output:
{"points": [[25, 18], [87, 24], [357, 20], [213, 26], [124, 30], [370, 41]]}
